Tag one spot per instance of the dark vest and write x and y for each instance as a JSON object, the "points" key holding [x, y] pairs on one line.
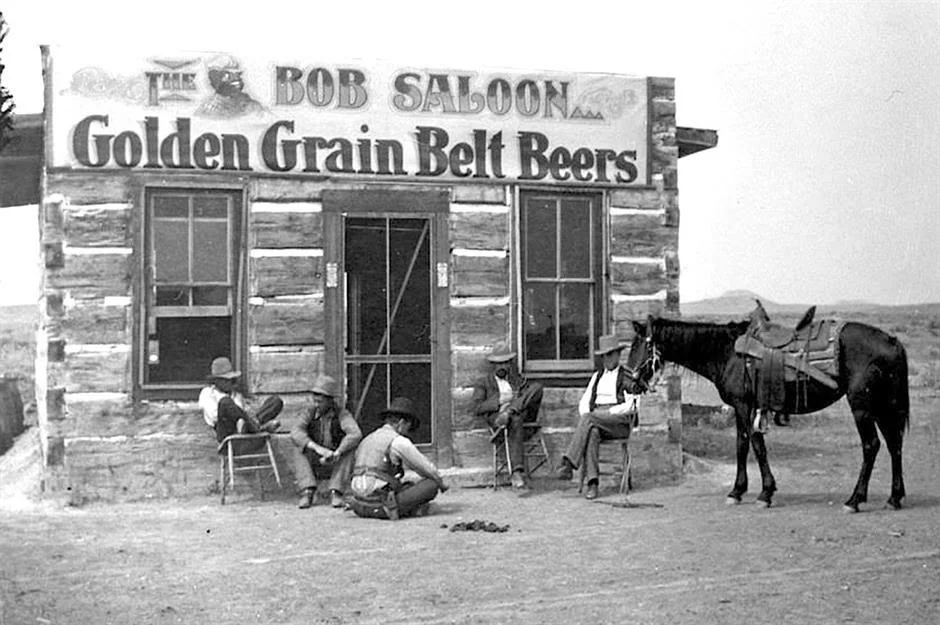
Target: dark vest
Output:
{"points": [[336, 431], [624, 385]]}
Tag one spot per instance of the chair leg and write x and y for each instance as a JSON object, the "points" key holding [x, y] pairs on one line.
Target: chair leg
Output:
{"points": [[231, 466], [222, 476], [625, 478], [548, 458], [277, 476], [495, 466]]}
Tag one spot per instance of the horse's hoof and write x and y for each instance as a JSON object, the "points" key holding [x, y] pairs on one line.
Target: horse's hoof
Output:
{"points": [[849, 509], [760, 503], [732, 501], [893, 504]]}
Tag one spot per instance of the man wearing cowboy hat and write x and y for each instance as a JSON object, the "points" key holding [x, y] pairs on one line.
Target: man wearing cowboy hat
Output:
{"points": [[324, 439], [506, 398], [224, 408], [608, 409], [381, 459]]}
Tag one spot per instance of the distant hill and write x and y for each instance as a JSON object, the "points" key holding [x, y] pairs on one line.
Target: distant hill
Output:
{"points": [[739, 303]]}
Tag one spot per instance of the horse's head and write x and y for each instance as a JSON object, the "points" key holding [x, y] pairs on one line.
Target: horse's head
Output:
{"points": [[644, 362]]}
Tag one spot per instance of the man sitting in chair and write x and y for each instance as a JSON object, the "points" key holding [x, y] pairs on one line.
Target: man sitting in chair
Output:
{"points": [[506, 398], [224, 408], [608, 409], [377, 487], [325, 443]]}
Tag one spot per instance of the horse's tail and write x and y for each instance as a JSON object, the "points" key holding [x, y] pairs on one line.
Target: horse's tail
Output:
{"points": [[899, 398]]}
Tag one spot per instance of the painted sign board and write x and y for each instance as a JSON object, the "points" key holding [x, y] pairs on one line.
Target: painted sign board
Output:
{"points": [[201, 111]]}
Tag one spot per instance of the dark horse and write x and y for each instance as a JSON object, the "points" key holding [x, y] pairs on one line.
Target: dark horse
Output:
{"points": [[872, 374]]}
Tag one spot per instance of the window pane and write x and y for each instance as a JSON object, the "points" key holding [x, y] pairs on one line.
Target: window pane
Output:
{"points": [[413, 380], [171, 206], [210, 207], [366, 291], [210, 296], [171, 250], [183, 348], [210, 251], [539, 320], [575, 238], [411, 325], [575, 304], [172, 296], [371, 381], [540, 239]]}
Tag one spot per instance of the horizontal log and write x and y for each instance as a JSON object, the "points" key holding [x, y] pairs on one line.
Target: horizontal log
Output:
{"points": [[92, 372], [630, 310], [286, 275], [479, 231], [96, 324], [94, 187], [637, 278], [636, 198], [110, 417], [287, 323], [99, 227], [92, 276], [473, 326], [486, 276], [287, 189], [468, 367], [479, 194], [662, 87], [284, 371], [663, 107], [286, 230], [641, 235]]}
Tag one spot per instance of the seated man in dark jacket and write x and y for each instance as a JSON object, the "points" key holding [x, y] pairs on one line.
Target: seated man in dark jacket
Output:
{"points": [[326, 440], [506, 398]]}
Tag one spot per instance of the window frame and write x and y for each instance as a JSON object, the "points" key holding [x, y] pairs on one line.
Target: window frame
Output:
{"points": [[144, 295], [572, 370]]}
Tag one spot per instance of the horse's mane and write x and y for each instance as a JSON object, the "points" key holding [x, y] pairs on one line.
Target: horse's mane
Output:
{"points": [[707, 336]]}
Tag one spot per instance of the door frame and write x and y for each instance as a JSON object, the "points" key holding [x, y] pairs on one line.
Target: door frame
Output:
{"points": [[434, 204]]}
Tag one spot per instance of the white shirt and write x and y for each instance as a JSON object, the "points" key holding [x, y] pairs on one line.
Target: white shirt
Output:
{"points": [[607, 395], [209, 398], [506, 393]]}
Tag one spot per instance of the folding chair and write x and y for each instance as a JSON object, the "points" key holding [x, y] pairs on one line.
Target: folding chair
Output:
{"points": [[231, 462], [534, 451]]}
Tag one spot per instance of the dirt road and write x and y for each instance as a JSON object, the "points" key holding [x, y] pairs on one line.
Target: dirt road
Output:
{"points": [[680, 555]]}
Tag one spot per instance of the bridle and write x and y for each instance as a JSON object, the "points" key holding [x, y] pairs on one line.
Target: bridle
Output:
{"points": [[653, 364]]}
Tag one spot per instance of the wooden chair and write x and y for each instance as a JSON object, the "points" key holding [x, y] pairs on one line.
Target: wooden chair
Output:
{"points": [[535, 452], [231, 460]]}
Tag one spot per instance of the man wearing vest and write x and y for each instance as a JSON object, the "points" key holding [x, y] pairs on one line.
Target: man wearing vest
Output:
{"points": [[325, 441], [608, 409], [506, 398], [377, 489]]}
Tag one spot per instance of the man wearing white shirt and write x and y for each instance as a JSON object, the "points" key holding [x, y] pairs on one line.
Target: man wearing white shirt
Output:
{"points": [[608, 409]]}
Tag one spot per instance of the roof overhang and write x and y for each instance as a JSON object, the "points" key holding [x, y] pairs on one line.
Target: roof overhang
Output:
{"points": [[692, 140]]}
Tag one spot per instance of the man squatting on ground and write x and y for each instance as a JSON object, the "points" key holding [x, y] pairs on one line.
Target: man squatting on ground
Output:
{"points": [[506, 398], [325, 441], [225, 411], [608, 409], [381, 458]]}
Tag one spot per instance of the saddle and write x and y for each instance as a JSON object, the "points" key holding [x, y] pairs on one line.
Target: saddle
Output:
{"points": [[783, 354]]}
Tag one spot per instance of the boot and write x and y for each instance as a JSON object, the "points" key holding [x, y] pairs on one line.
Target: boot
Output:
{"points": [[591, 490], [566, 470], [306, 498], [518, 480], [336, 499]]}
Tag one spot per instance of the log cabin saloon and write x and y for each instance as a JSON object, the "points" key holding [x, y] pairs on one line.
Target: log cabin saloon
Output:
{"points": [[386, 225]]}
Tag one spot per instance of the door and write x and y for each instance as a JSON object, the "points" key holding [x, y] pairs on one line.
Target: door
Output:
{"points": [[386, 301]]}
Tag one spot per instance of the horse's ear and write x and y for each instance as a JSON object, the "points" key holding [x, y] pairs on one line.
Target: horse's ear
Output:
{"points": [[649, 325]]}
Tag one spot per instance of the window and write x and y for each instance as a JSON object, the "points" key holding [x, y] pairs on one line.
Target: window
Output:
{"points": [[561, 259], [191, 293]]}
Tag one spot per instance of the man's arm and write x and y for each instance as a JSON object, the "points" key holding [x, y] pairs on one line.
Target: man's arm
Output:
{"points": [[484, 403], [584, 406], [298, 433], [404, 450], [352, 434]]}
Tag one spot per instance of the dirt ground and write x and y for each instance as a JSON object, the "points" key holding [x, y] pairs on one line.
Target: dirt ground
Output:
{"points": [[678, 555]]}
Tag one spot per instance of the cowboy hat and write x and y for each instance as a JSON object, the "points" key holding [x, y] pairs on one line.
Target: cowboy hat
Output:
{"points": [[608, 343], [222, 368], [403, 407], [324, 385], [501, 353]]}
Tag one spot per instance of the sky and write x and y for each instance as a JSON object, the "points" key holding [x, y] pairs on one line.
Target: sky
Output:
{"points": [[825, 185]]}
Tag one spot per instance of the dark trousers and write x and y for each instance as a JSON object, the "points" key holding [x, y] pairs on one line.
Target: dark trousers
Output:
{"points": [[592, 428], [409, 498], [308, 468], [230, 414], [522, 409]]}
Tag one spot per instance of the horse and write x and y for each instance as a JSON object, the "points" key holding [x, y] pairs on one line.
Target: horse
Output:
{"points": [[872, 375]]}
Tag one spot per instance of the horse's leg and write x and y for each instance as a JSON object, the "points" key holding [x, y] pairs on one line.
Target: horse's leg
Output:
{"points": [[743, 424], [865, 424], [894, 437], [768, 483]]}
